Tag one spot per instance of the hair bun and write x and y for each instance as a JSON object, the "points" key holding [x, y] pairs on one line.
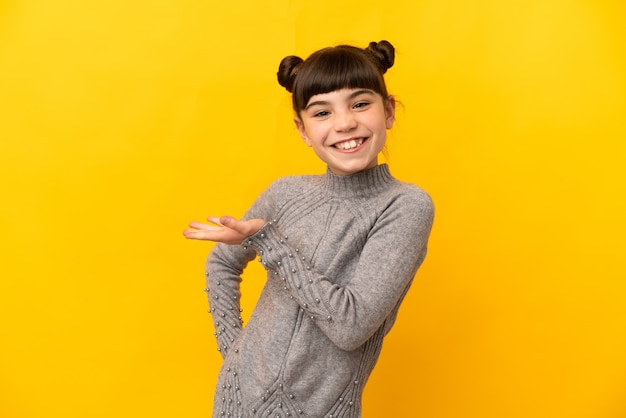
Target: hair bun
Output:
{"points": [[383, 53], [287, 71]]}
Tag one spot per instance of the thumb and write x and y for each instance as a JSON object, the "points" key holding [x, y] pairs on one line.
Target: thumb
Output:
{"points": [[236, 225], [228, 221]]}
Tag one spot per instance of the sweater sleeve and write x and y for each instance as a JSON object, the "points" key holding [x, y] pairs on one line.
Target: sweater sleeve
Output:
{"points": [[224, 268], [350, 314]]}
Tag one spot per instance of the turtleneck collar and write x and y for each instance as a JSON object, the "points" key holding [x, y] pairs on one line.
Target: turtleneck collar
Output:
{"points": [[363, 183]]}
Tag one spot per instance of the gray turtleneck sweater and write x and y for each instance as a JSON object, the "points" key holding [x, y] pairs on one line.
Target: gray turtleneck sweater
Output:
{"points": [[340, 254]]}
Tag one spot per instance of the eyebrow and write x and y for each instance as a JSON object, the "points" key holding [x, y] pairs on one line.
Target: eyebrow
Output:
{"points": [[350, 97]]}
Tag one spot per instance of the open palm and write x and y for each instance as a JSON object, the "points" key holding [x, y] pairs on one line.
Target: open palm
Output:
{"points": [[225, 229]]}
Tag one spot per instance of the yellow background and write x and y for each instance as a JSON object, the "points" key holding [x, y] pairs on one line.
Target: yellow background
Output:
{"points": [[121, 121]]}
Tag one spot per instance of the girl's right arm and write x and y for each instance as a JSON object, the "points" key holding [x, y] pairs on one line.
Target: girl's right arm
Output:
{"points": [[225, 266]]}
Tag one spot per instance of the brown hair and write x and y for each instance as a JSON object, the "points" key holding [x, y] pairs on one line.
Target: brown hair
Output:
{"points": [[335, 68]]}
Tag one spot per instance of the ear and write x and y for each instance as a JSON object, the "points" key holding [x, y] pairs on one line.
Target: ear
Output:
{"points": [[302, 130], [390, 112]]}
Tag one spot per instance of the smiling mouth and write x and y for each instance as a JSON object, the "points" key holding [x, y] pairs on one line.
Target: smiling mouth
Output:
{"points": [[348, 145]]}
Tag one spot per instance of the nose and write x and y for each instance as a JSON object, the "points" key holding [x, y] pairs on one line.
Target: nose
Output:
{"points": [[345, 121]]}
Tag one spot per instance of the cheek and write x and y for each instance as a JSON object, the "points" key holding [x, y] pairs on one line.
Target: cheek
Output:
{"points": [[316, 135]]}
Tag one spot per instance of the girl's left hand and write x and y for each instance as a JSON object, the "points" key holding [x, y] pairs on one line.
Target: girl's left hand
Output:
{"points": [[226, 229]]}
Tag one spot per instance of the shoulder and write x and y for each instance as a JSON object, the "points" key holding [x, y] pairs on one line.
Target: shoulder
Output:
{"points": [[294, 180], [408, 193], [410, 202], [293, 184], [287, 188]]}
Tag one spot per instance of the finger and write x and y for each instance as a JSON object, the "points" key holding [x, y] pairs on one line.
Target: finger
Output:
{"points": [[192, 233], [228, 221], [215, 220], [245, 228], [234, 224], [204, 227], [204, 234], [224, 235]]}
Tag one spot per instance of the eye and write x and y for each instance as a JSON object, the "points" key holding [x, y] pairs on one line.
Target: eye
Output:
{"points": [[361, 105], [321, 114]]}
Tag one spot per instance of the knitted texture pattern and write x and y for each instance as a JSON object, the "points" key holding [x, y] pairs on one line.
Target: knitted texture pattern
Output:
{"points": [[340, 254]]}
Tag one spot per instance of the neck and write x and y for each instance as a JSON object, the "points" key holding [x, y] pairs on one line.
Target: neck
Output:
{"points": [[363, 183]]}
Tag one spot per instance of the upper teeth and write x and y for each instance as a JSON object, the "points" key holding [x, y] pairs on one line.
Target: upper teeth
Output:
{"points": [[353, 143]]}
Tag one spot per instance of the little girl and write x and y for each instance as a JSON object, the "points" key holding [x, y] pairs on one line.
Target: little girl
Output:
{"points": [[340, 249]]}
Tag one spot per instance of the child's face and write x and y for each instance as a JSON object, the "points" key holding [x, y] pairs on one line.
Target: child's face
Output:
{"points": [[347, 128]]}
